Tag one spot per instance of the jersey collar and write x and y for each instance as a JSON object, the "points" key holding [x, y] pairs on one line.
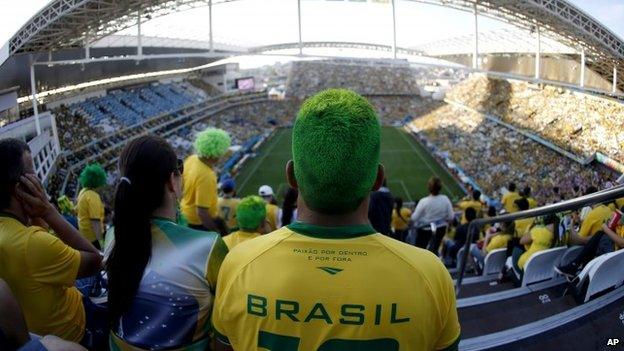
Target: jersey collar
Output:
{"points": [[340, 232]]}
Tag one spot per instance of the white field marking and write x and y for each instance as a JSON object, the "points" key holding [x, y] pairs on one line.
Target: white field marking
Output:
{"points": [[260, 161], [405, 191]]}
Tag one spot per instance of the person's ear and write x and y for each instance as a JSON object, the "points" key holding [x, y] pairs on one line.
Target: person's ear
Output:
{"points": [[171, 183], [290, 175], [381, 175]]}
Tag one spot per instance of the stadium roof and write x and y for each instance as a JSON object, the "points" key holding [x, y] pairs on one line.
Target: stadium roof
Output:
{"points": [[72, 23]]}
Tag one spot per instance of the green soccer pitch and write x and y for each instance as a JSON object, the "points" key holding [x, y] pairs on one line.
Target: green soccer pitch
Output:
{"points": [[408, 167]]}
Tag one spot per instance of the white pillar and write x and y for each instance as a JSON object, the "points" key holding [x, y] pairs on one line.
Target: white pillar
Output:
{"points": [[614, 90], [582, 79], [538, 52], [33, 91], [299, 24], [139, 38], [210, 25], [475, 55], [394, 30]]}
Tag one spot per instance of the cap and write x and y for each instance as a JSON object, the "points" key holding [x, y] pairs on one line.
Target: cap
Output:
{"points": [[265, 190], [228, 185]]}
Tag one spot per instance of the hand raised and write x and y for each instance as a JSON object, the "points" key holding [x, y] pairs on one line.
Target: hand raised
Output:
{"points": [[33, 197]]}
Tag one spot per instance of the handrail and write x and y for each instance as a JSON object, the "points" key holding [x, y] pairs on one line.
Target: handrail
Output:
{"points": [[572, 204]]}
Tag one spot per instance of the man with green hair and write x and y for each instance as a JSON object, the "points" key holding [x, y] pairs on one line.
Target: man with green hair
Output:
{"points": [[200, 196], [89, 205], [341, 285], [250, 216]]}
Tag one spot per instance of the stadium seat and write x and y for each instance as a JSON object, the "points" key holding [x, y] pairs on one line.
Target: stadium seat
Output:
{"points": [[494, 262], [570, 254], [602, 273], [540, 266]]}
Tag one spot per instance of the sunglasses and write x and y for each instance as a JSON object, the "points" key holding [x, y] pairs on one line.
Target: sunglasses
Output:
{"points": [[180, 166]]}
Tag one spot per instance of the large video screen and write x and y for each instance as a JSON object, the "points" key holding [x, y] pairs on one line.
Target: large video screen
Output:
{"points": [[246, 83]]}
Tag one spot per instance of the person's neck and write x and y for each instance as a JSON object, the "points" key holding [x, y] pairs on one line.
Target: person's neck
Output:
{"points": [[210, 162], [357, 217], [166, 211], [16, 210]]}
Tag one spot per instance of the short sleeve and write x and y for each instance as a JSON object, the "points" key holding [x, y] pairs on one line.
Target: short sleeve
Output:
{"points": [[52, 261], [450, 332], [217, 255], [206, 194], [94, 207], [588, 223]]}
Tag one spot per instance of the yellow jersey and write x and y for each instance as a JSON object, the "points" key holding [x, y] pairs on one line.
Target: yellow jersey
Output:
{"points": [[509, 200], [463, 205], [619, 231], [541, 238], [200, 190], [532, 202], [594, 220], [89, 207], [41, 271], [272, 216], [523, 225], [498, 242], [401, 222], [227, 210], [323, 299], [238, 237]]}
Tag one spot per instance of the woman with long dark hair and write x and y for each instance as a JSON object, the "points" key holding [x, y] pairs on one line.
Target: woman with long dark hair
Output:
{"points": [[400, 219], [289, 207], [161, 276]]}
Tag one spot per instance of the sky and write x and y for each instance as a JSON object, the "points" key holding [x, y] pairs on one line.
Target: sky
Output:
{"points": [[260, 22]]}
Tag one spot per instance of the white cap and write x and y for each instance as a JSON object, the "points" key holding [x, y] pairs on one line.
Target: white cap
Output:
{"points": [[265, 190]]}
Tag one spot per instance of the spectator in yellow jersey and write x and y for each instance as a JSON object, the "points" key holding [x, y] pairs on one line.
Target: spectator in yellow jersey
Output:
{"points": [[322, 298], [250, 215], [89, 205], [595, 218], [496, 237], [510, 197], [227, 203], [539, 238], [473, 202], [400, 219], [41, 269], [522, 226], [273, 213], [199, 203], [526, 193]]}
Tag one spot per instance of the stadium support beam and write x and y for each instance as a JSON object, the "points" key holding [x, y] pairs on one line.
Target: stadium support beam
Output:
{"points": [[475, 54], [538, 52], [394, 30], [33, 91], [87, 46], [582, 78], [139, 37], [299, 24], [210, 38], [614, 89]]}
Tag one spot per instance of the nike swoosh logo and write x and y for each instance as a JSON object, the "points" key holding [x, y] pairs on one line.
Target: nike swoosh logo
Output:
{"points": [[330, 270]]}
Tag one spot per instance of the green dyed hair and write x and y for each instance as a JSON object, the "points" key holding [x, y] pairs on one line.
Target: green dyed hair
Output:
{"points": [[250, 212], [92, 176], [65, 205], [336, 143], [212, 143]]}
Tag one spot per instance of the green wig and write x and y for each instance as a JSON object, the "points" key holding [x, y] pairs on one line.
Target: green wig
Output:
{"points": [[212, 143], [250, 213], [336, 143], [65, 205], [92, 176]]}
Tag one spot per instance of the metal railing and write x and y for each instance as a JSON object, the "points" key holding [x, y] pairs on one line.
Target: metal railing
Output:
{"points": [[572, 204]]}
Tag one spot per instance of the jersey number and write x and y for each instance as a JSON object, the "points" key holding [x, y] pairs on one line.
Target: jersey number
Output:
{"points": [[276, 342]]}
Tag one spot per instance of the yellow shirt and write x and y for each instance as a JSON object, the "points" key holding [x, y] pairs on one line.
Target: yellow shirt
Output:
{"points": [[227, 210], [619, 203], [532, 202], [272, 214], [200, 190], [523, 225], [463, 205], [594, 220], [498, 242], [509, 200], [619, 231], [541, 240], [238, 237], [41, 271], [400, 222], [89, 207], [325, 296]]}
